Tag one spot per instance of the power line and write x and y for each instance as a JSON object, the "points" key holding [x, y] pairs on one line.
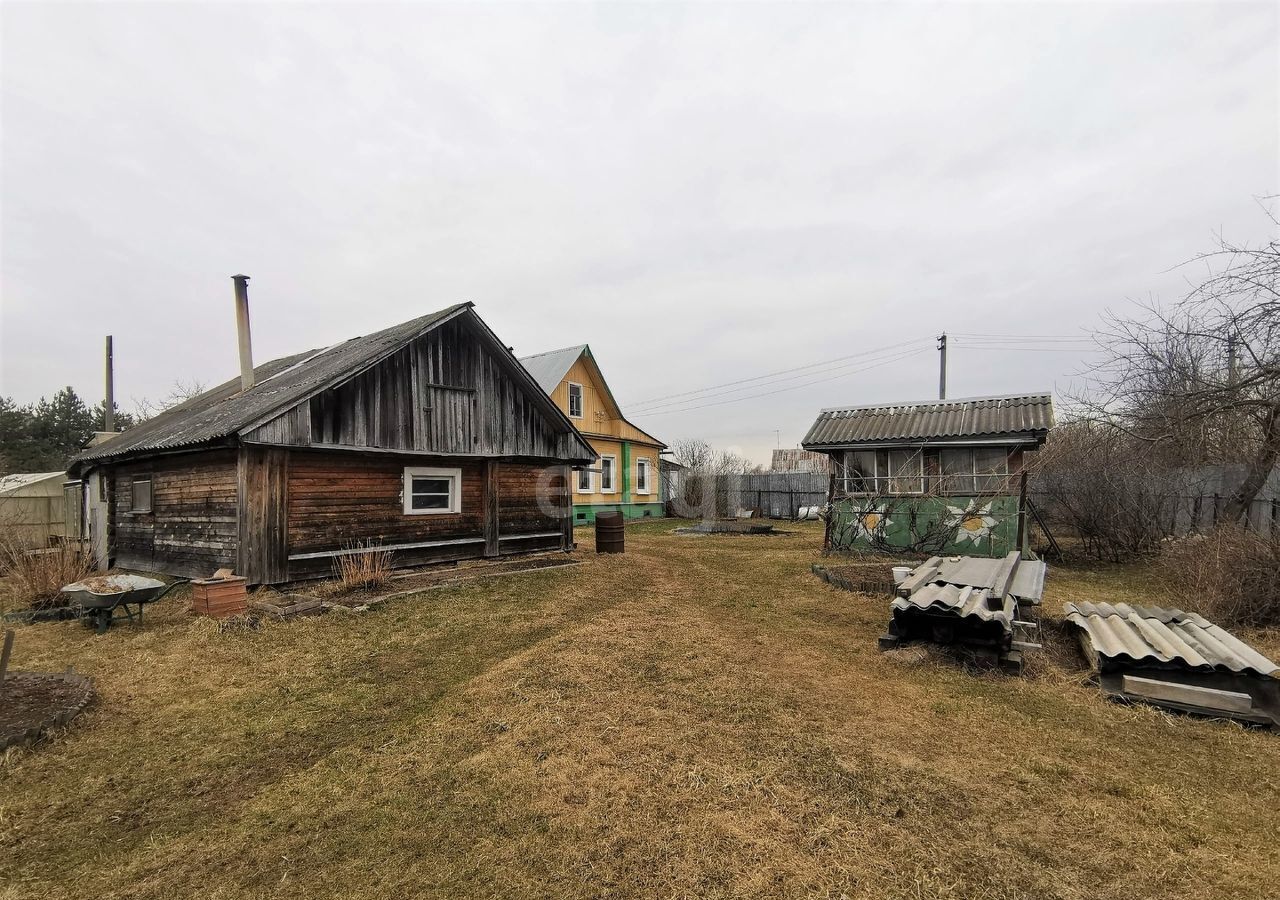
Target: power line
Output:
{"points": [[863, 354], [901, 356], [705, 395]]}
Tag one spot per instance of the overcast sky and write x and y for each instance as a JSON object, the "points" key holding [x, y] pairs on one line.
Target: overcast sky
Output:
{"points": [[704, 193]]}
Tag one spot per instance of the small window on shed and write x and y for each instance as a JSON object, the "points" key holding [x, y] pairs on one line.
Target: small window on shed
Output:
{"points": [[432, 491], [575, 401], [906, 472], [991, 469], [140, 501], [957, 470], [860, 472]]}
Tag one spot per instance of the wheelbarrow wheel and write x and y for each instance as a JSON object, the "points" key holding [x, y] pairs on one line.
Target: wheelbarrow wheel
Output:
{"points": [[102, 619]]}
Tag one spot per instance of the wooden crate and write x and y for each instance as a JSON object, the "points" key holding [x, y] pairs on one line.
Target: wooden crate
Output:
{"points": [[220, 597]]}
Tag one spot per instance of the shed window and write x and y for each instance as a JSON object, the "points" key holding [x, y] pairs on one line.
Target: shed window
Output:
{"points": [[860, 472], [575, 401], [642, 476], [584, 480], [432, 491], [906, 472], [606, 474], [990, 469], [957, 470], [140, 501], [974, 470]]}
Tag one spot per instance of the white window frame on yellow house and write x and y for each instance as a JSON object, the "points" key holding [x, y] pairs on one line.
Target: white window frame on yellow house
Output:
{"points": [[643, 465], [582, 400], [591, 487], [612, 487]]}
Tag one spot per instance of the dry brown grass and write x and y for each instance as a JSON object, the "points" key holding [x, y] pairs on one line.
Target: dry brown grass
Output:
{"points": [[1229, 575], [693, 718], [367, 570], [36, 577]]}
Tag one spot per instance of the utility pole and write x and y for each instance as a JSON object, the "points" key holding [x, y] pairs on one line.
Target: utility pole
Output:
{"points": [[942, 366], [109, 410], [1233, 360]]}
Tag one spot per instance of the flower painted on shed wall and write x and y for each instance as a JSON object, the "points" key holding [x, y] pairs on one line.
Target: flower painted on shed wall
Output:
{"points": [[972, 524]]}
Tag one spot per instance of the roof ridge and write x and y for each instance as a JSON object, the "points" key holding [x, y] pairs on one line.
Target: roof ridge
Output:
{"points": [[1035, 395]]}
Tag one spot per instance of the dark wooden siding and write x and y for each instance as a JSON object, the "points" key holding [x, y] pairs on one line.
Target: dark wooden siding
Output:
{"points": [[339, 501], [264, 508], [191, 529], [445, 393]]}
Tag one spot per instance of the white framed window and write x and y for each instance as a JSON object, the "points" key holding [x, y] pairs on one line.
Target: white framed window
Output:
{"points": [[906, 472], [642, 476], [584, 480], [608, 466], [140, 497], [575, 401], [432, 491]]}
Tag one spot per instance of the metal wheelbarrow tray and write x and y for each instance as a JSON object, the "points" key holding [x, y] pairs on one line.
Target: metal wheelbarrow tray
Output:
{"points": [[103, 598]]}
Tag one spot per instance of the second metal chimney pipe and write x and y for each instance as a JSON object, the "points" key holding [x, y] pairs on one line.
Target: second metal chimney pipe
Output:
{"points": [[242, 329], [109, 407]]}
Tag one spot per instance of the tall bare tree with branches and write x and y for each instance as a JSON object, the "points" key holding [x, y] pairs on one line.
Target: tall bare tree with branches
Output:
{"points": [[1200, 381]]}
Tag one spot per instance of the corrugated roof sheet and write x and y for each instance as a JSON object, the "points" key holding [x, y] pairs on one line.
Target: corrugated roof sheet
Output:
{"points": [[20, 480], [549, 369], [965, 602], [1148, 634], [1028, 578], [279, 384], [1028, 417]]}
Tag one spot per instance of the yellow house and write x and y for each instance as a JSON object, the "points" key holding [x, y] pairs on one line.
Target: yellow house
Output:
{"points": [[625, 477]]}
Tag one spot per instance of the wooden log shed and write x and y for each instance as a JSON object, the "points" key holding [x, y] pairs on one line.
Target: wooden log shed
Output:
{"points": [[428, 439]]}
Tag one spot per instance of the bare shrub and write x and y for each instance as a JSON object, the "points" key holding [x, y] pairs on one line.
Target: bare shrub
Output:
{"points": [[37, 576], [368, 569], [1229, 575], [1116, 494]]}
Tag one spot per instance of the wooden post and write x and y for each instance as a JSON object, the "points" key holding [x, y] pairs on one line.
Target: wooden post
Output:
{"points": [[567, 494], [4, 658], [1023, 535], [831, 510], [492, 508]]}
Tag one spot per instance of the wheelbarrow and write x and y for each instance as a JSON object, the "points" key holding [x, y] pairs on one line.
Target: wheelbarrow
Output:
{"points": [[104, 598]]}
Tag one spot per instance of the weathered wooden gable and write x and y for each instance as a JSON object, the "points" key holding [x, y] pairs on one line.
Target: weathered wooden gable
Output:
{"points": [[447, 392]]}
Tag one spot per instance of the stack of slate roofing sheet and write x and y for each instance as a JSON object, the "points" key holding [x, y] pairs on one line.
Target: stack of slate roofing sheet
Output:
{"points": [[970, 601], [1177, 660]]}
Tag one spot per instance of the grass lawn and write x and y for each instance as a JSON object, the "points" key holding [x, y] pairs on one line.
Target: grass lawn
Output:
{"points": [[700, 717]]}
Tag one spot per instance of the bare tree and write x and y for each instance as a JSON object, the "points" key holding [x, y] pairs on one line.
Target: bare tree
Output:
{"points": [[180, 393], [1202, 380]]}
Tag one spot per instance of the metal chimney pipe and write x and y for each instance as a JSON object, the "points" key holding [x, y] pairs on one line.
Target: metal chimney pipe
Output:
{"points": [[242, 329], [109, 408]]}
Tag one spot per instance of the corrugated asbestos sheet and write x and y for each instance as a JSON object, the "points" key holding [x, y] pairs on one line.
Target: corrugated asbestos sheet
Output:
{"points": [[1026, 417], [1128, 635], [279, 384], [986, 605], [1028, 578], [548, 369], [964, 602]]}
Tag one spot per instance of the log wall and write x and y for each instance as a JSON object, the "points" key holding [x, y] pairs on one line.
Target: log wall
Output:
{"points": [[191, 529]]}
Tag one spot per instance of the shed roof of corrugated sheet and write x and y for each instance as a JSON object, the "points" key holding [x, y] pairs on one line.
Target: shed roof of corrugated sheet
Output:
{"points": [[278, 385], [549, 369], [1027, 416], [1137, 634]]}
